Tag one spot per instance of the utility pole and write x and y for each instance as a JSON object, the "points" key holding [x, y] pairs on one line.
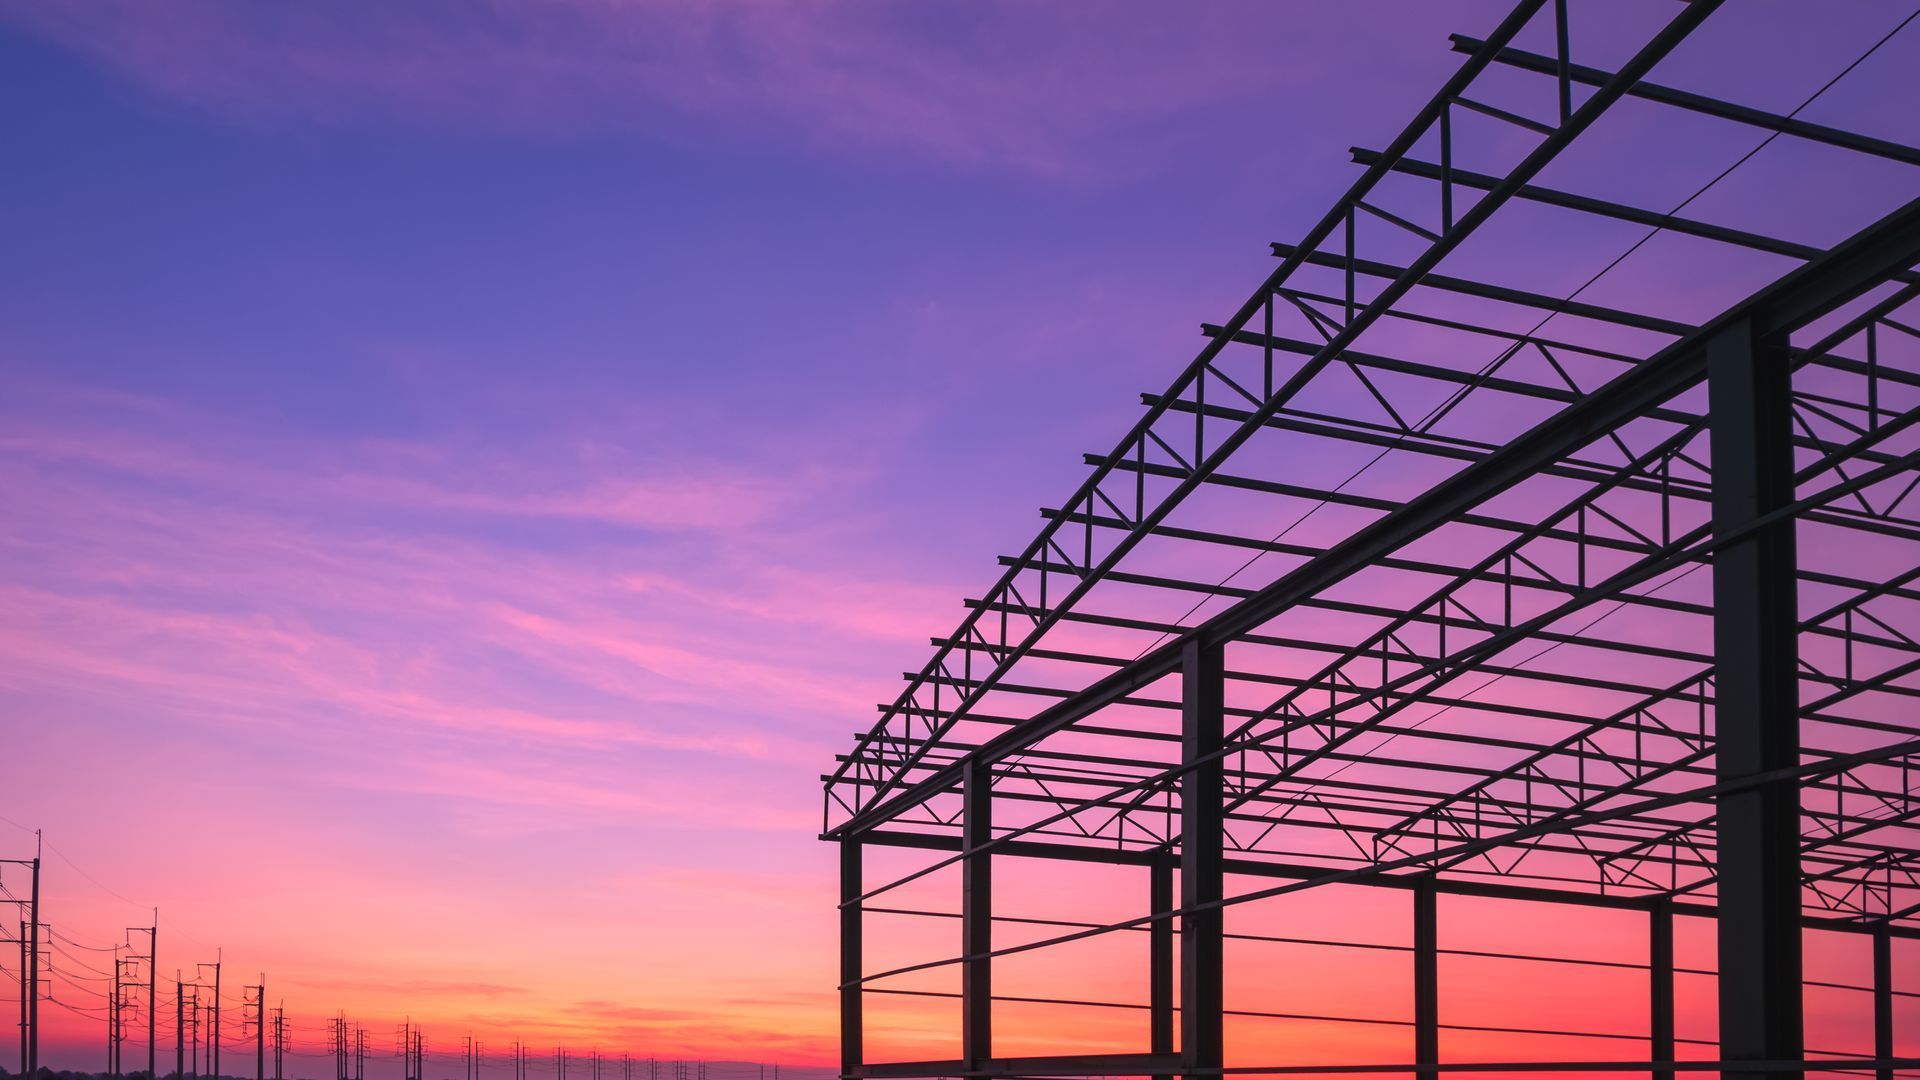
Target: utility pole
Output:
{"points": [[359, 1053], [213, 1015], [193, 1021], [33, 952], [29, 962], [279, 1037], [153, 980], [21, 938], [214, 1040], [113, 1019], [179, 1026], [126, 980], [253, 1011]]}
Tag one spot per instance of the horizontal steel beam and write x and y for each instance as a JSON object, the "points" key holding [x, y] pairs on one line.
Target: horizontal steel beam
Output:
{"points": [[1700, 103], [1057, 1065], [1485, 291], [1587, 204], [1301, 872]]}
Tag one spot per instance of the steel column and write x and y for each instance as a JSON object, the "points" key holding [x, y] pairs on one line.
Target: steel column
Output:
{"points": [[1883, 1001], [1202, 834], [1160, 958], [851, 1026], [1660, 984], [1426, 978], [1756, 702], [976, 915]]}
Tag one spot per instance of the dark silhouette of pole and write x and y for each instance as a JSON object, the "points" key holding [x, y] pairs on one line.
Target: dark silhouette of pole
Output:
{"points": [[33, 956], [113, 1019], [153, 981], [22, 939], [213, 1043], [260, 1029], [179, 1025]]}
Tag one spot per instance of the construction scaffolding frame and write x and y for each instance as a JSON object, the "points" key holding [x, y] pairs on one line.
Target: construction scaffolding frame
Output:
{"points": [[1397, 588]]}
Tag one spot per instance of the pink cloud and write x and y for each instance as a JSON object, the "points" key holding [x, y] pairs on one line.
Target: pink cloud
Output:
{"points": [[678, 496]]}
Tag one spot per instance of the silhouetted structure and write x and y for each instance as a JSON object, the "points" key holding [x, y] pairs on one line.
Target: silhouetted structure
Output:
{"points": [[1399, 587]]}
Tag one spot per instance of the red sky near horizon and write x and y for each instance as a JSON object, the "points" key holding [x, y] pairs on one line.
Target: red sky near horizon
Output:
{"points": [[469, 468]]}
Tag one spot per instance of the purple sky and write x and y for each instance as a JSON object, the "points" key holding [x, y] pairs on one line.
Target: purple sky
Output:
{"points": [[470, 466]]}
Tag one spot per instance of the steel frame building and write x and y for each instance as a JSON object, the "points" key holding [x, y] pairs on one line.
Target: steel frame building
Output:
{"points": [[1395, 588]]}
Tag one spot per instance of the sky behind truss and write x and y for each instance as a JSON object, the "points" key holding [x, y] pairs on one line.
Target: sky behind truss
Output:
{"points": [[468, 468]]}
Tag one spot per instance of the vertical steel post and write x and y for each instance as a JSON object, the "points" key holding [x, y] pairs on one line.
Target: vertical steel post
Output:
{"points": [[1660, 984], [1160, 958], [1883, 1000], [1202, 833], [1426, 976], [179, 1026], [851, 962], [260, 1030], [976, 914], [1756, 700]]}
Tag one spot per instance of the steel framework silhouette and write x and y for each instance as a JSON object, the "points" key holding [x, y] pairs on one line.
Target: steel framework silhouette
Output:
{"points": [[1432, 573]]}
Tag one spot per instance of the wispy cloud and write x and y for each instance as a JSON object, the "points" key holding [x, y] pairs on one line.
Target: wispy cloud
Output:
{"points": [[198, 575], [1034, 89]]}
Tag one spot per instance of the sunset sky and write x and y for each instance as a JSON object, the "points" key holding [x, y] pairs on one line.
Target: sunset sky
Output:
{"points": [[468, 467]]}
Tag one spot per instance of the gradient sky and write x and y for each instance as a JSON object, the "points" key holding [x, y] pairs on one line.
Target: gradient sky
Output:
{"points": [[469, 467]]}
